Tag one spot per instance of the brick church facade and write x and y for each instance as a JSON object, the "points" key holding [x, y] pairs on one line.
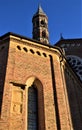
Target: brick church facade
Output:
{"points": [[40, 84]]}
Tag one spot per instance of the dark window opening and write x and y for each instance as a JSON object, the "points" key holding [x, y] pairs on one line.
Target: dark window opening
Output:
{"points": [[32, 108], [42, 22], [38, 53], [43, 34], [25, 49], [19, 48], [31, 51], [44, 54]]}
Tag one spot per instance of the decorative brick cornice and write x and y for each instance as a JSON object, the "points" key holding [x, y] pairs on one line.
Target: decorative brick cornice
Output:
{"points": [[48, 48]]}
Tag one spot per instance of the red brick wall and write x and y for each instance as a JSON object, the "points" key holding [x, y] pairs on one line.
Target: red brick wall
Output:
{"points": [[21, 66], [22, 61]]}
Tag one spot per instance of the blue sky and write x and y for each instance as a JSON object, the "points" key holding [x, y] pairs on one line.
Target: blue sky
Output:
{"points": [[64, 17]]}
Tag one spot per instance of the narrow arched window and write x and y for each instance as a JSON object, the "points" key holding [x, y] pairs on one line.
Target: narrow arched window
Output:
{"points": [[32, 108], [43, 34]]}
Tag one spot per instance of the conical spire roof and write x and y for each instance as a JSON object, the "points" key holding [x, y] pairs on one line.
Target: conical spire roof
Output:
{"points": [[40, 11]]}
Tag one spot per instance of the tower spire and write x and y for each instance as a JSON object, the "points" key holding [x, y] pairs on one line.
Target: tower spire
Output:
{"points": [[40, 26], [40, 10]]}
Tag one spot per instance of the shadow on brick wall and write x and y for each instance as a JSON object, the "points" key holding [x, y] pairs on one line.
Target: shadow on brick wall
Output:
{"points": [[4, 48], [74, 93]]}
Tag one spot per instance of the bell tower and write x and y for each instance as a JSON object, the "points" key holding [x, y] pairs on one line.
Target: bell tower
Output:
{"points": [[40, 26]]}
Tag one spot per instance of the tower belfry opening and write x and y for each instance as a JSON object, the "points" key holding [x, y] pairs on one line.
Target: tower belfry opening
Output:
{"points": [[40, 26]]}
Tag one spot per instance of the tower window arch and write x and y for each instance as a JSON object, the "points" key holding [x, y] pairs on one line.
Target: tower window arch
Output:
{"points": [[42, 22], [32, 108], [43, 34]]}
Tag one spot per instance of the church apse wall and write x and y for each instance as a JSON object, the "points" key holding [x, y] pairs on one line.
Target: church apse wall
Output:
{"points": [[26, 60]]}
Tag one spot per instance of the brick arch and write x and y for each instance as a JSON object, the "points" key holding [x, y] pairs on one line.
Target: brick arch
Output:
{"points": [[33, 81]]}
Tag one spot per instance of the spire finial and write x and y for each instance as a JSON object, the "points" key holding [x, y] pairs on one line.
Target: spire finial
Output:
{"points": [[40, 10], [61, 37], [39, 5]]}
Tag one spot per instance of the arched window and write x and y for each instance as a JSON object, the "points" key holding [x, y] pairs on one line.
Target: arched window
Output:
{"points": [[32, 108], [43, 23], [43, 34]]}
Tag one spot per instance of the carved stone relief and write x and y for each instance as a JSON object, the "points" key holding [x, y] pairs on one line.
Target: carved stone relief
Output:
{"points": [[17, 100]]}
